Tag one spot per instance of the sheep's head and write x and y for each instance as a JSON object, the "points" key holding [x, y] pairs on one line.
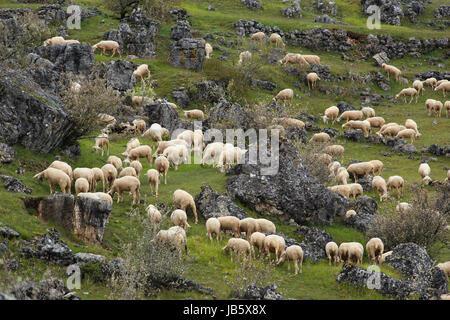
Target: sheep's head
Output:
{"points": [[282, 259], [384, 65], [426, 180]]}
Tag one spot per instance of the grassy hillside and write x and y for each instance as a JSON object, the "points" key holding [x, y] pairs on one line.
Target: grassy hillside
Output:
{"points": [[206, 263]]}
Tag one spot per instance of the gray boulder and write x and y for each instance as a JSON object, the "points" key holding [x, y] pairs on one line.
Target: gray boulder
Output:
{"points": [[166, 116], [252, 4], [181, 97], [13, 31], [82, 258], [354, 135], [210, 203], [208, 90], [15, 185], [231, 114], [8, 233], [266, 85], [182, 29], [119, 75], [48, 289], [188, 53], [381, 58], [262, 293], [366, 205], [7, 153], [360, 221], [414, 9], [293, 11], [324, 19], [344, 106], [44, 72], [313, 243], [391, 11]]}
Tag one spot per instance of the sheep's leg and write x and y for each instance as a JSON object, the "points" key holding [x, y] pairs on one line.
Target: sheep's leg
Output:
{"points": [[296, 266], [289, 264]]}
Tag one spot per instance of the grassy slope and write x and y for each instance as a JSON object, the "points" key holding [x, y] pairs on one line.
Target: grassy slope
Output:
{"points": [[206, 263]]}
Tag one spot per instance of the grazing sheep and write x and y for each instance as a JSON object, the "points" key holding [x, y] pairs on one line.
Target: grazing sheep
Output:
{"points": [[155, 132], [230, 223], [98, 176], [143, 151], [311, 58], [355, 253], [198, 140], [136, 164], [356, 190], [377, 167], [445, 266], [109, 174], [418, 85], [364, 126], [88, 195], [351, 115], [437, 109], [323, 158], [342, 176], [396, 182], [265, 225], [140, 125], [424, 172], [186, 135], [312, 78], [63, 166], [335, 150], [55, 176], [239, 247], [293, 58], [104, 196], [285, 94], [289, 122], [258, 36], [71, 41], [361, 168], [128, 171], [407, 92], [163, 145], [441, 81], [230, 156], [116, 162], [403, 207], [141, 71], [177, 238], [153, 180], [330, 113], [84, 173], [127, 183], [384, 256], [275, 244], [139, 100], [431, 82], [429, 103], [244, 57], [107, 45], [212, 152], [176, 155], [379, 184], [385, 126], [54, 41], [106, 118], [153, 214], [343, 252], [195, 114], [320, 137], [334, 167], [407, 133], [213, 226], [447, 107], [184, 200], [276, 38], [376, 122], [332, 251], [375, 248], [179, 218], [391, 69], [81, 185], [208, 50], [248, 225], [75, 88], [292, 253], [391, 131], [368, 112], [162, 166], [444, 86], [411, 124], [343, 189], [257, 240], [350, 213], [100, 144]]}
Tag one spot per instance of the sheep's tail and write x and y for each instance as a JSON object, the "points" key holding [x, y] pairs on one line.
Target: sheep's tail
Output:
{"points": [[39, 175]]}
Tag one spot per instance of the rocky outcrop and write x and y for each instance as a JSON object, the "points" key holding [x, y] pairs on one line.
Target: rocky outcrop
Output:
{"points": [[442, 12], [208, 90], [7, 153], [8, 233], [181, 97], [83, 258], [381, 58], [252, 4], [293, 11], [262, 293], [15, 185], [119, 75], [361, 221], [232, 115], [433, 74], [324, 19], [354, 135], [166, 116], [314, 242], [211, 204], [48, 289], [188, 53], [391, 11], [366, 205], [291, 193], [14, 31], [182, 29]]}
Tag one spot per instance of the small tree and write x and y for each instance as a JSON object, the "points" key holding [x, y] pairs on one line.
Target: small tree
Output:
{"points": [[123, 7]]}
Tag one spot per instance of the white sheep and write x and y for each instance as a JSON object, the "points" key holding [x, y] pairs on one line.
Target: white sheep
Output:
{"points": [[84, 173], [391, 131], [212, 152], [105, 197], [293, 58], [153, 180], [407, 92], [162, 166], [418, 85], [379, 184], [81, 185], [361, 168], [330, 113], [276, 244], [343, 189], [265, 225], [136, 164], [208, 50], [257, 240], [376, 122], [244, 56], [128, 172], [312, 78], [364, 126], [311, 58], [55, 176], [126, 183], [334, 167], [375, 248], [140, 125], [335, 150], [384, 256], [162, 145], [292, 253], [368, 112], [186, 135], [342, 176], [276, 38], [332, 251], [403, 207], [230, 223], [447, 107], [356, 190], [396, 182], [258, 36], [98, 176], [143, 151], [431, 82], [115, 161], [213, 227], [351, 115], [239, 247], [407, 133], [63, 166], [445, 266], [194, 114], [411, 124], [107, 45], [54, 41], [155, 132], [350, 213], [179, 218], [153, 214], [141, 71], [184, 200], [176, 155], [391, 69], [285, 94], [248, 225], [109, 174], [444, 86], [100, 144], [320, 137], [424, 172], [289, 122]]}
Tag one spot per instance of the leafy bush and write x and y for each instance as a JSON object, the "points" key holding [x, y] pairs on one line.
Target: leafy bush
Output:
{"points": [[311, 159]]}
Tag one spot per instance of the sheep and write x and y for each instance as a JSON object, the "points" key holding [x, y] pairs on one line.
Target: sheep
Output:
{"points": [[385, 126], [230, 223], [257, 240], [55, 176], [176, 155], [447, 107], [109, 174], [444, 86], [350, 213], [142, 70], [104, 196], [115, 161], [330, 113], [437, 109], [195, 114], [244, 56], [343, 252], [377, 167], [179, 218], [441, 81], [75, 88], [248, 225], [335, 150], [375, 248], [276, 244], [100, 144], [258, 36], [213, 226], [71, 41], [447, 180], [143, 151], [350, 115], [361, 168], [155, 132], [343, 189], [334, 167], [212, 152], [320, 137], [384, 256], [289, 122], [229, 156], [445, 266], [63, 166], [208, 50], [411, 124], [81, 185], [407, 133], [106, 118], [424, 172], [162, 145], [342, 176], [391, 131], [379, 184], [323, 158], [396, 182], [431, 82], [140, 125], [177, 238], [311, 78], [88, 195], [356, 190], [276, 38], [429, 103], [98, 176], [139, 100], [153, 214], [239, 247], [128, 172], [418, 85], [84, 173], [153, 180], [368, 112], [285, 94], [184, 200], [54, 41], [107, 45], [364, 126], [407, 92], [391, 69], [198, 140], [127, 183], [355, 253], [294, 253], [265, 225], [293, 58], [332, 251], [162, 166], [186, 135], [403, 207]]}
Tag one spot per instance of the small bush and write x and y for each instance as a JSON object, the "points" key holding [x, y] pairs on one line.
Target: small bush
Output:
{"points": [[425, 225], [312, 160]]}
